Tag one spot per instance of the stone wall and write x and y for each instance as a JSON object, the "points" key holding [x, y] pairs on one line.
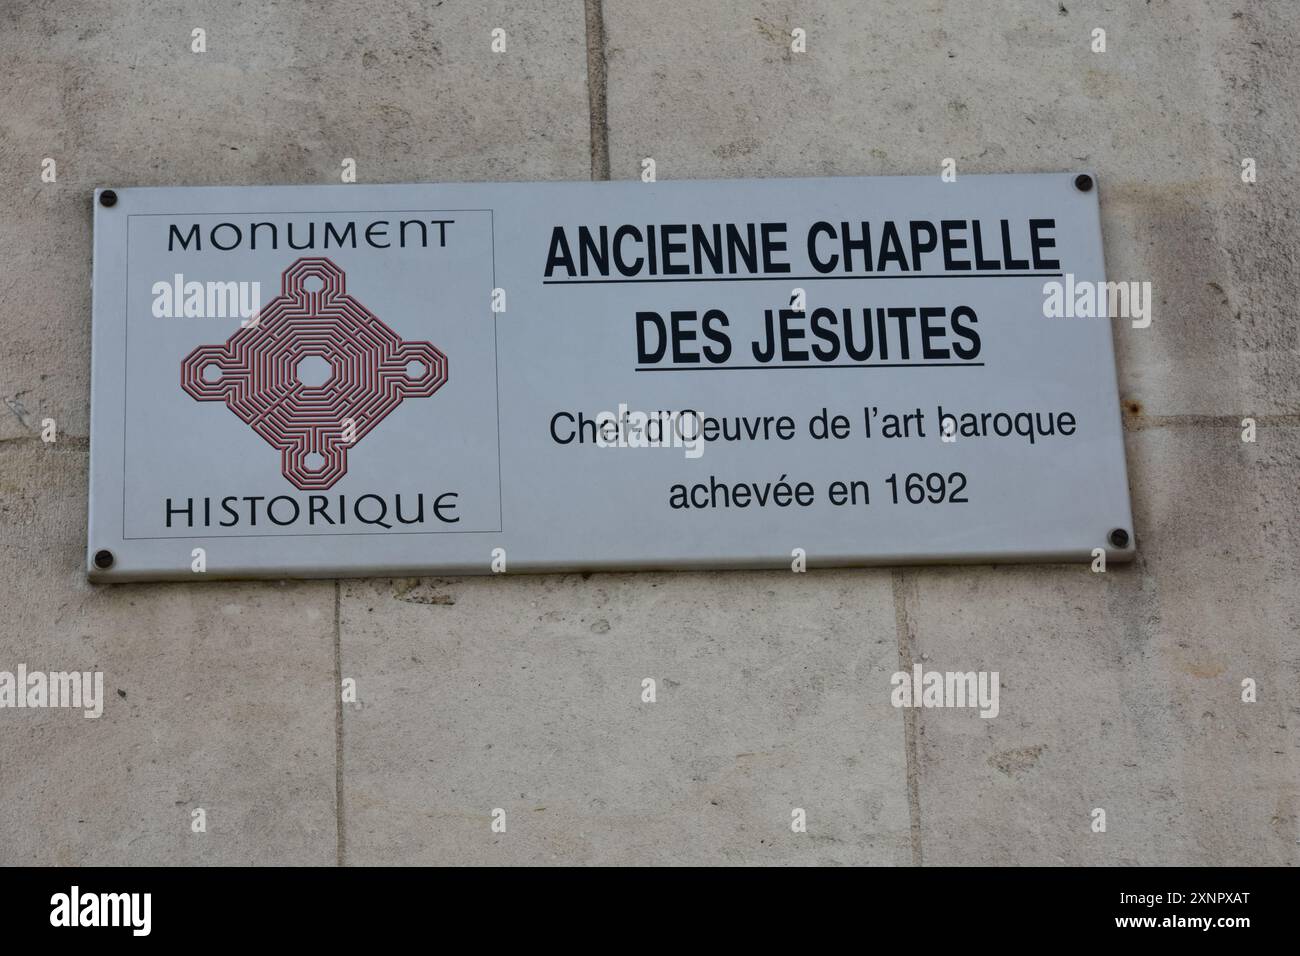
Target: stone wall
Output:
{"points": [[1120, 690]]}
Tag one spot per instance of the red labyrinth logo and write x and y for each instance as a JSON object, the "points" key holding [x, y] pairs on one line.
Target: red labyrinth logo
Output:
{"points": [[314, 374]]}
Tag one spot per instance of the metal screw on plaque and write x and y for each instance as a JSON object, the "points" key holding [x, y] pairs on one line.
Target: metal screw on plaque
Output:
{"points": [[104, 559], [1083, 183], [108, 198], [1119, 538]]}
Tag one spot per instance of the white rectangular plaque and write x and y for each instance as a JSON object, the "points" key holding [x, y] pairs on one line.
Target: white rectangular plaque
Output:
{"points": [[476, 378]]}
